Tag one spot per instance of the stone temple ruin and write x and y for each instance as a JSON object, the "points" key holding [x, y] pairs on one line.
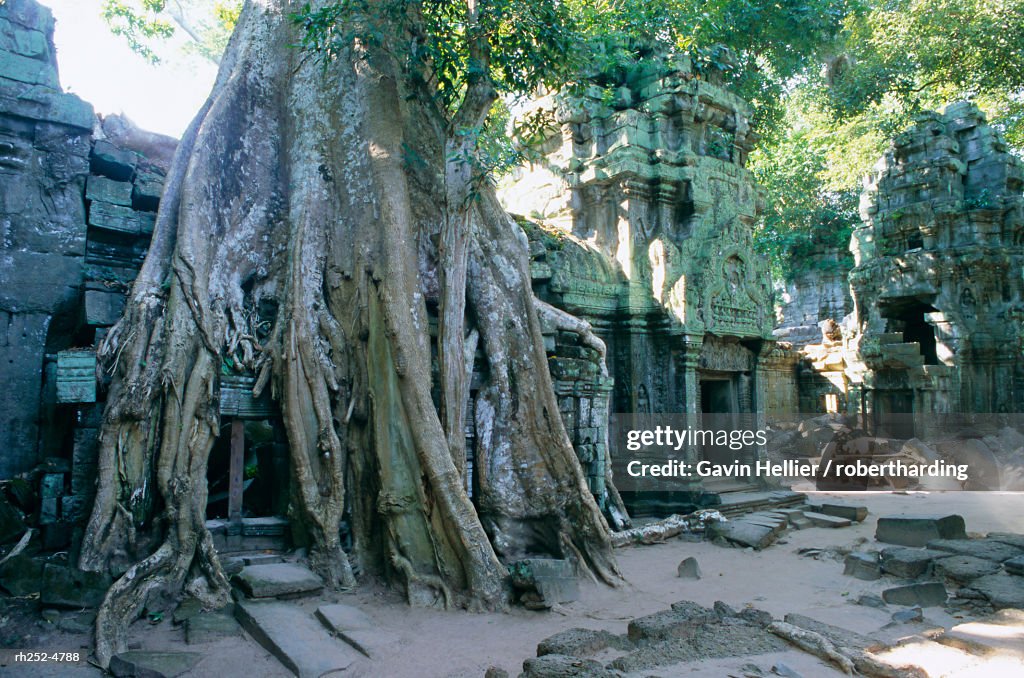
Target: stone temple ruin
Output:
{"points": [[645, 215]]}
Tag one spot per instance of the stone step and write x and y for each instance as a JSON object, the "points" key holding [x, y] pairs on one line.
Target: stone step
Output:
{"points": [[291, 634], [822, 520], [354, 627], [278, 580]]}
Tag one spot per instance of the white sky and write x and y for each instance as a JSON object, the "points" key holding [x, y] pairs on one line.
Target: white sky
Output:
{"points": [[99, 67]]}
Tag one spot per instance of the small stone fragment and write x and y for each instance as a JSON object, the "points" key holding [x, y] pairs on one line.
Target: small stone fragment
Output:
{"points": [[869, 600], [689, 568], [147, 664], [910, 616]]}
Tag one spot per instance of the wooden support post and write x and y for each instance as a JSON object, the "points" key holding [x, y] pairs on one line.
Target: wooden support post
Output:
{"points": [[236, 476]]}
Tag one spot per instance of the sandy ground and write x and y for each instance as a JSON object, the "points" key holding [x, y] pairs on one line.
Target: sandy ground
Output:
{"points": [[420, 643]]}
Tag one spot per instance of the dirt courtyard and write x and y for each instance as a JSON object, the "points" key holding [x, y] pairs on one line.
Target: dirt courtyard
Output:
{"points": [[427, 643]]}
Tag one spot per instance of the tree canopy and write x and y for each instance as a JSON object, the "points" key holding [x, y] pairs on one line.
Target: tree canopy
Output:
{"points": [[831, 81]]}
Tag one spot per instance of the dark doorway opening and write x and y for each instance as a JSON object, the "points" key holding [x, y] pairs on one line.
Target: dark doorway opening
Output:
{"points": [[907, 315]]}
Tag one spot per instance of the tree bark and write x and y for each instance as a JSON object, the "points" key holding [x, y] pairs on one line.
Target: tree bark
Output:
{"points": [[297, 241]]}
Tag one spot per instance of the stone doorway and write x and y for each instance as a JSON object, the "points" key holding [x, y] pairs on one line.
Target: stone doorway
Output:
{"points": [[719, 406]]}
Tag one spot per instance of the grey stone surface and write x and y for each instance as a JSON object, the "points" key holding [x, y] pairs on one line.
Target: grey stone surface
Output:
{"points": [[67, 587], [909, 530], [210, 626], [1002, 590], [743, 533], [849, 511], [353, 626], [679, 622], [1011, 538], [561, 666], [152, 664], [908, 563], [578, 642], [104, 189], [962, 569], [825, 520], [1015, 566], [925, 594], [989, 549], [863, 566], [278, 579], [292, 635], [689, 568]]}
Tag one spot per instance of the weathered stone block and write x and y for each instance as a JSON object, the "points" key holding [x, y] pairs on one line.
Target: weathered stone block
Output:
{"points": [[102, 189], [75, 508], [148, 187], [1015, 566], [561, 666], [280, 579], [863, 566], [76, 376], [1002, 590], [29, 71], [963, 569], [208, 627], [109, 160], [67, 587], [152, 664], [847, 511], [824, 520], [989, 549], [689, 568], [26, 42], [113, 217], [926, 594], [103, 309], [908, 563], [577, 642], [919, 530]]}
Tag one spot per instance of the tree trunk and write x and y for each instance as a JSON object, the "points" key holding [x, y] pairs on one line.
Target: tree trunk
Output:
{"points": [[297, 241]]}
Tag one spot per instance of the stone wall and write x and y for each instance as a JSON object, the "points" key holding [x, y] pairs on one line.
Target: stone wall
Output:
{"points": [[938, 280], [76, 213], [44, 162], [819, 291]]}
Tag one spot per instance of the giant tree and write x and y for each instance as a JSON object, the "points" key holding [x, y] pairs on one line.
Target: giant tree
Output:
{"points": [[320, 207]]}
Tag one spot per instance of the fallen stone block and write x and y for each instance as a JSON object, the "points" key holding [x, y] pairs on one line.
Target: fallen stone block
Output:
{"points": [[560, 666], [1002, 590], [926, 594], [862, 566], [551, 580], [679, 622], [151, 664], [1015, 566], [962, 569], [1011, 538], [205, 628], [825, 520], [988, 549], [848, 511], [67, 587], [908, 563], [278, 579], [919, 530], [689, 568], [293, 636], [578, 642], [870, 600], [743, 533]]}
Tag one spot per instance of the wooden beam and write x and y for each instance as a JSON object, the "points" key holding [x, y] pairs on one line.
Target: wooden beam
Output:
{"points": [[236, 474]]}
